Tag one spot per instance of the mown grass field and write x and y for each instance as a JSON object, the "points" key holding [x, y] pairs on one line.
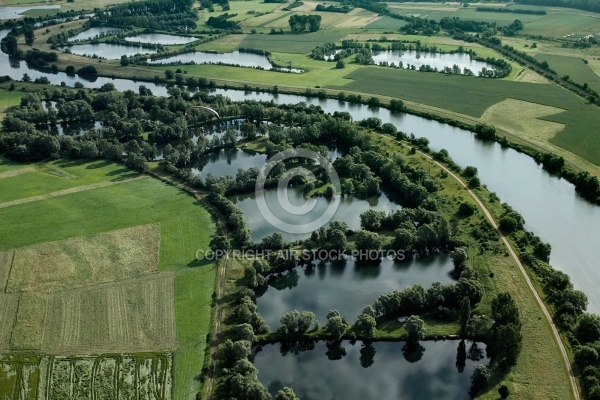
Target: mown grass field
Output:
{"points": [[296, 44], [578, 71], [43, 178], [184, 227], [477, 95], [9, 99]]}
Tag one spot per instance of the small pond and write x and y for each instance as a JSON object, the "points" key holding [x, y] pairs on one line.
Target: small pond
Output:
{"points": [[93, 32], [108, 50], [435, 60], [347, 286], [382, 370], [236, 58], [349, 211], [161, 38]]}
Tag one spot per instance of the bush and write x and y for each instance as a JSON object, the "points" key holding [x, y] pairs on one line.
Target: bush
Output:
{"points": [[503, 391], [88, 70], [466, 209]]}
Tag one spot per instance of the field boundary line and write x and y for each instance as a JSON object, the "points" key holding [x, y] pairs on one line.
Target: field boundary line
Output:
{"points": [[16, 172], [67, 192], [488, 215]]}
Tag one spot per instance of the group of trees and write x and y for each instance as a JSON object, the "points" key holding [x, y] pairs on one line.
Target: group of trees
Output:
{"points": [[223, 22], [416, 300], [174, 15], [300, 23]]}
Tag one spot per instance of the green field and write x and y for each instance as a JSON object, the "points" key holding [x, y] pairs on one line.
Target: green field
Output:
{"points": [[477, 94], [575, 68], [9, 99], [298, 44], [72, 174], [386, 23], [557, 22], [184, 227]]}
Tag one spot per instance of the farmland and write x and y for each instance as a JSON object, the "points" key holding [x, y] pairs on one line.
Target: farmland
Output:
{"points": [[480, 94], [112, 278], [577, 70]]}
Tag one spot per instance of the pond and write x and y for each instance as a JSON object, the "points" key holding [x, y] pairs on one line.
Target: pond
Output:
{"points": [[161, 38], [73, 129], [108, 50], [435, 60], [347, 286], [349, 210], [516, 178], [236, 58], [228, 161], [17, 12], [93, 32], [382, 371]]}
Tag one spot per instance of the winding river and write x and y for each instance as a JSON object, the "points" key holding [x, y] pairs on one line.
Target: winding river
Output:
{"points": [[550, 205]]}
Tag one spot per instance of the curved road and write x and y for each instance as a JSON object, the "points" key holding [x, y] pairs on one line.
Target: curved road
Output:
{"points": [[514, 256]]}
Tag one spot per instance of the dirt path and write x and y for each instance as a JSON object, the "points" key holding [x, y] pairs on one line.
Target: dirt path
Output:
{"points": [[210, 384], [539, 300], [211, 379], [514, 256], [66, 192], [16, 172]]}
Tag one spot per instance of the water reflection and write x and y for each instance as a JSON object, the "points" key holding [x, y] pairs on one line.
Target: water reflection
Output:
{"points": [[347, 286], [341, 370]]}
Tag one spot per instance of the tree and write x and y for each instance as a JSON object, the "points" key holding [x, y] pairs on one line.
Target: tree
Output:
{"points": [[459, 255], [503, 391], [504, 310], [169, 74], [336, 326], [26, 78], [587, 329], [274, 242], [314, 22], [245, 332], [235, 351], [397, 105], [479, 379], [88, 70], [296, 322], [340, 64], [414, 328], [367, 243], [586, 355], [366, 326], [466, 209], [474, 182], [470, 171], [371, 220], [286, 394], [29, 36], [465, 314], [507, 345], [124, 60], [220, 243]]}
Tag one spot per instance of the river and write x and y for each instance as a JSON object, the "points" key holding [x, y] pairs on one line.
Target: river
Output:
{"points": [[551, 207]]}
